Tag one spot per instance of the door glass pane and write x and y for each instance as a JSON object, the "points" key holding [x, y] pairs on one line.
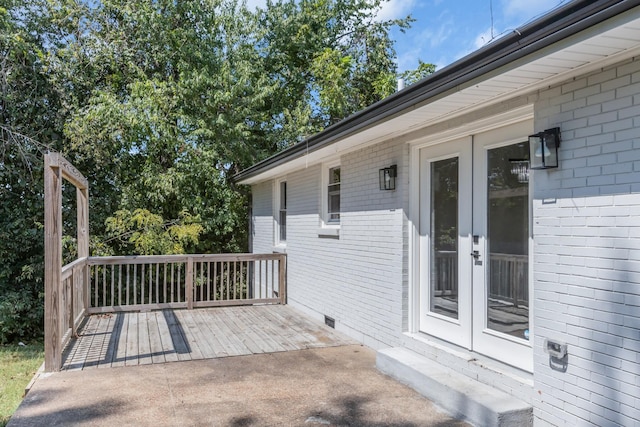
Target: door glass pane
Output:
{"points": [[508, 240], [444, 238]]}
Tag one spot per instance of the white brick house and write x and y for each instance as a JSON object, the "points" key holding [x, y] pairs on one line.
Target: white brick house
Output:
{"points": [[472, 268]]}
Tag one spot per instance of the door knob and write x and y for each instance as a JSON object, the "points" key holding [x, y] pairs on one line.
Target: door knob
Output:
{"points": [[475, 254]]}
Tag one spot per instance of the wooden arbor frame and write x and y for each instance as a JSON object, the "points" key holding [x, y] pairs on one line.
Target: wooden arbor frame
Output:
{"points": [[65, 301], [68, 288]]}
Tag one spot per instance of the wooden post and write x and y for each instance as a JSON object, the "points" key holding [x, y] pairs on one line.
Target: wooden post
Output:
{"points": [[82, 202], [52, 264], [56, 311], [189, 283], [282, 278]]}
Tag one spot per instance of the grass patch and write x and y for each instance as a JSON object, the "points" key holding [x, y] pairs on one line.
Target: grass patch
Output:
{"points": [[18, 364]]}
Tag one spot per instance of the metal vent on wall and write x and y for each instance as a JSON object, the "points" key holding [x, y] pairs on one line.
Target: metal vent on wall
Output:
{"points": [[330, 322]]}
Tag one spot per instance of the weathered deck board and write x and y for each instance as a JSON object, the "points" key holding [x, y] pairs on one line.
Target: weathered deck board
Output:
{"points": [[185, 322], [155, 341], [124, 339], [132, 347], [212, 334], [165, 337], [144, 342]]}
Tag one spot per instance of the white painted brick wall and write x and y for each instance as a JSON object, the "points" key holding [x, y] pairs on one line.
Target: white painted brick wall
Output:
{"points": [[262, 219], [359, 278], [586, 257]]}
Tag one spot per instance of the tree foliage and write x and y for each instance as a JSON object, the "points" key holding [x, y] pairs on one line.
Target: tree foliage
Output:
{"points": [[159, 104]]}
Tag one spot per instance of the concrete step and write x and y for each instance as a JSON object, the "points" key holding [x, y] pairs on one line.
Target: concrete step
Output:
{"points": [[460, 395]]}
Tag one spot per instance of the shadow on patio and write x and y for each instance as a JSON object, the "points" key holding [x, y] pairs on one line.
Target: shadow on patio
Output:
{"points": [[331, 381], [141, 338]]}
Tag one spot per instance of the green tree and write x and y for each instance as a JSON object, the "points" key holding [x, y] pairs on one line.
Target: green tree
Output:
{"points": [[422, 71], [333, 56], [159, 104], [28, 106]]}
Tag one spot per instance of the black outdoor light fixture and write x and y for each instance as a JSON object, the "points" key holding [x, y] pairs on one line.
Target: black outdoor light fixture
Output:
{"points": [[388, 177], [543, 149]]}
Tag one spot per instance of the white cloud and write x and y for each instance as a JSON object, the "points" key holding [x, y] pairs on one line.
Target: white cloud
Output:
{"points": [[436, 37], [394, 9], [408, 60]]}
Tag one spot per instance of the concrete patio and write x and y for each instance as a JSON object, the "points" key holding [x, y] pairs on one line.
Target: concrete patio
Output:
{"points": [[323, 378]]}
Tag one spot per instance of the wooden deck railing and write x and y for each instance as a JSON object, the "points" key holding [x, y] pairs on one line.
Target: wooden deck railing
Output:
{"points": [[104, 284], [74, 297], [133, 283]]}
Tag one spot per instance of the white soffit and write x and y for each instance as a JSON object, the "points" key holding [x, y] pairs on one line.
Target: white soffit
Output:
{"points": [[598, 47]]}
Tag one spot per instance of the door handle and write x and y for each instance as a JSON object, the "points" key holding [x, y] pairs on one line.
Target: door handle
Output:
{"points": [[476, 254]]}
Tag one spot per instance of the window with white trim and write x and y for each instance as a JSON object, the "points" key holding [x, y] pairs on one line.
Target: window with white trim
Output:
{"points": [[280, 212], [333, 196]]}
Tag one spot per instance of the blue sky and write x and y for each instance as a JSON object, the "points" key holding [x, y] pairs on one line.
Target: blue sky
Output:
{"points": [[446, 30]]}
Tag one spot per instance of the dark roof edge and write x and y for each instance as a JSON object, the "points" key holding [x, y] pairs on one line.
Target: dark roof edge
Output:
{"points": [[561, 23]]}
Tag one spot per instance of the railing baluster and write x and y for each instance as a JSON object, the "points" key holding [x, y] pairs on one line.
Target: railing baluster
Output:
{"points": [[120, 285], [128, 280], [234, 280], [95, 286], [243, 287], [179, 285], [282, 279], [259, 279], [135, 284], [142, 284], [276, 283], [189, 278], [201, 281], [208, 281], [104, 284], [113, 273], [273, 280], [150, 283], [247, 280], [215, 280], [172, 274], [164, 286]]}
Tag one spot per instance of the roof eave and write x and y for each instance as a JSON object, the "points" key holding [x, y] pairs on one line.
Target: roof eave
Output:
{"points": [[549, 29]]}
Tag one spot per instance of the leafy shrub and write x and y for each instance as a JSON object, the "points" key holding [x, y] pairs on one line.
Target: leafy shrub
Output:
{"points": [[21, 316]]}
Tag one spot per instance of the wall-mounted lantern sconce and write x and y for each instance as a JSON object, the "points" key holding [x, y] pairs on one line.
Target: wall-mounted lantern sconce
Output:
{"points": [[543, 149], [388, 178]]}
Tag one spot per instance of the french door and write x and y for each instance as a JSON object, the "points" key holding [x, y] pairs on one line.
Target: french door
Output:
{"points": [[475, 244]]}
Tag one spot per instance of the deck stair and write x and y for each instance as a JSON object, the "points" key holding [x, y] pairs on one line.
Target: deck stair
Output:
{"points": [[462, 396]]}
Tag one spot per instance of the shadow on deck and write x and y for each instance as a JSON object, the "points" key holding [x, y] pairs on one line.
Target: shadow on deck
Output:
{"points": [[142, 338]]}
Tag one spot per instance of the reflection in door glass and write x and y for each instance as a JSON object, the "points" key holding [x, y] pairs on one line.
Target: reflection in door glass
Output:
{"points": [[508, 240], [444, 238]]}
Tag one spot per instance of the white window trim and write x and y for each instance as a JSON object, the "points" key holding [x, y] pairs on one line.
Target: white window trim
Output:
{"points": [[327, 228], [277, 243]]}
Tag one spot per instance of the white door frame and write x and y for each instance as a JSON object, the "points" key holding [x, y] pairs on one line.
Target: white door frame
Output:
{"points": [[503, 347], [447, 328], [515, 115]]}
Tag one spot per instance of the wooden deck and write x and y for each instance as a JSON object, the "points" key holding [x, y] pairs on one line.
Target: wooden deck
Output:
{"points": [[139, 338]]}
